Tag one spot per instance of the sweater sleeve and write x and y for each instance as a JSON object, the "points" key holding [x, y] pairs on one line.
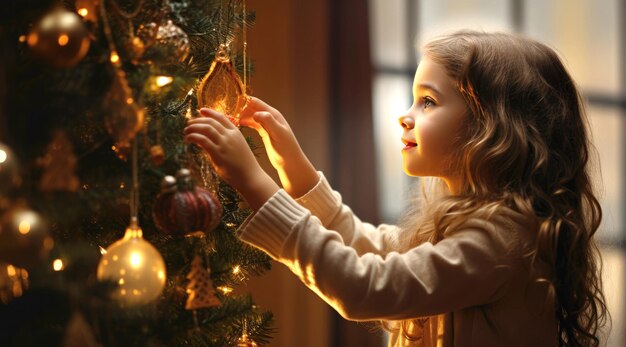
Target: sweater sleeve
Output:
{"points": [[469, 267], [326, 204]]}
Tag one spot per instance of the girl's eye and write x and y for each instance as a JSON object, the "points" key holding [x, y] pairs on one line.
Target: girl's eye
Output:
{"points": [[428, 102]]}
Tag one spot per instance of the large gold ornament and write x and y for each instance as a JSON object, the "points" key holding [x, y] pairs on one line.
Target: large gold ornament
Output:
{"points": [[24, 237], [136, 266], [60, 38], [221, 89]]}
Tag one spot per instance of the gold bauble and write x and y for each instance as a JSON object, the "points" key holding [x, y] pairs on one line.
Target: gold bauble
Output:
{"points": [[136, 266], [60, 38], [9, 172], [221, 89], [24, 237]]}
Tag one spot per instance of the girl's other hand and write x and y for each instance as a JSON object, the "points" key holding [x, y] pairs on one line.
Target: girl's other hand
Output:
{"points": [[278, 138], [296, 172]]}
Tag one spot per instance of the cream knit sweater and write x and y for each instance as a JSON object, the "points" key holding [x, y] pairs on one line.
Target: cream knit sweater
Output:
{"points": [[473, 288]]}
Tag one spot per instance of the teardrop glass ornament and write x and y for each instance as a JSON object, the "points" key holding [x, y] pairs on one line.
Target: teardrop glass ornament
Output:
{"points": [[125, 118], [221, 88]]}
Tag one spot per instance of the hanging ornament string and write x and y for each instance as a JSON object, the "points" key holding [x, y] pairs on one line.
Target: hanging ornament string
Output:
{"points": [[125, 118], [134, 192], [245, 48], [114, 57], [221, 88]]}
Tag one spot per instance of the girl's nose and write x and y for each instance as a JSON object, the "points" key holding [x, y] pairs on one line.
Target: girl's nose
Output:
{"points": [[406, 122]]}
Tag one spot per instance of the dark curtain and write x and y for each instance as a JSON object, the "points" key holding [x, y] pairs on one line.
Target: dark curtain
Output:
{"points": [[353, 171]]}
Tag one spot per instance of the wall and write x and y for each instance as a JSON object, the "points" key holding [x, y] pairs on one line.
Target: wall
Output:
{"points": [[288, 48]]}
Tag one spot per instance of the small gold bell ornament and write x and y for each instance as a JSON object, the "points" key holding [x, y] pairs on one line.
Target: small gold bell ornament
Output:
{"points": [[136, 266]]}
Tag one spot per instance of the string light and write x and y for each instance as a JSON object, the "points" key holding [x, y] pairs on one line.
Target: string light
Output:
{"points": [[226, 290], [115, 58], [162, 81], [58, 265]]}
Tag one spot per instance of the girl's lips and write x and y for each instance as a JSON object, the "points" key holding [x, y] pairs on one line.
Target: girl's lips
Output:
{"points": [[408, 144]]}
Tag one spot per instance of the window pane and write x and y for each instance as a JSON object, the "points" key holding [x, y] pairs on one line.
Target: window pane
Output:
{"points": [[606, 127], [388, 33], [586, 34], [613, 270], [392, 97], [438, 17]]}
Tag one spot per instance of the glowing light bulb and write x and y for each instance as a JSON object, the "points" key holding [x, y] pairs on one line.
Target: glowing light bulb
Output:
{"points": [[114, 57], [3, 156], [57, 265], [83, 12], [24, 227], [163, 80], [226, 290]]}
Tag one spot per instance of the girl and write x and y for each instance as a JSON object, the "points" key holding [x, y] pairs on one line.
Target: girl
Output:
{"points": [[503, 256]]}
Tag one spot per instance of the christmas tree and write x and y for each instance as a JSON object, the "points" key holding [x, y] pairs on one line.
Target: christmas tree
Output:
{"points": [[108, 220]]}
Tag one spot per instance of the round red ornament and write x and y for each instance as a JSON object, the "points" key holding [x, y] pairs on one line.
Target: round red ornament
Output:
{"points": [[183, 208]]}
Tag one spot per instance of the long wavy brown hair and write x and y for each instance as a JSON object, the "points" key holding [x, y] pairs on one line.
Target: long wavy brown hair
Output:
{"points": [[525, 145]]}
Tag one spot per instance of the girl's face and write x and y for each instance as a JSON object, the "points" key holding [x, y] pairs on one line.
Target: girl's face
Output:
{"points": [[432, 124]]}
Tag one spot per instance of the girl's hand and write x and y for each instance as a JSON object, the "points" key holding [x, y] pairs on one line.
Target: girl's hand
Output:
{"points": [[231, 156], [296, 172]]}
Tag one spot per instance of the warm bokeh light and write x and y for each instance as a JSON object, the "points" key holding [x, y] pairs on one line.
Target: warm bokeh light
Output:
{"points": [[83, 12], [57, 265], [24, 227], [226, 290], [63, 39], [163, 80], [3, 156], [33, 38], [11, 270], [114, 57], [129, 101]]}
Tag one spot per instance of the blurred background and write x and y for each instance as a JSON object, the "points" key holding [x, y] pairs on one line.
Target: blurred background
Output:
{"points": [[341, 73]]}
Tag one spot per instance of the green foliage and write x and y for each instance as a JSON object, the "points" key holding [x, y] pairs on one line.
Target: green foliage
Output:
{"points": [[39, 99]]}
